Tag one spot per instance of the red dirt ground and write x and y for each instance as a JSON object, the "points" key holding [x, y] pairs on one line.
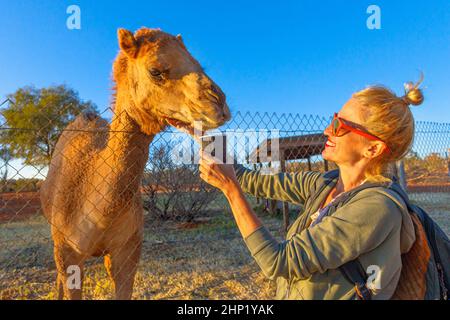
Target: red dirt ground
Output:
{"points": [[17, 206], [428, 187]]}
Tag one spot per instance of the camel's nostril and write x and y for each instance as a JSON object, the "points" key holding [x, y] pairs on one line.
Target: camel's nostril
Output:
{"points": [[226, 113]]}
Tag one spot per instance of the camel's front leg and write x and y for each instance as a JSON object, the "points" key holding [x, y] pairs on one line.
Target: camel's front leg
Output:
{"points": [[121, 265], [69, 265]]}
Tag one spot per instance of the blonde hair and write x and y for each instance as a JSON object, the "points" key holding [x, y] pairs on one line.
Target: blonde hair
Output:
{"points": [[389, 118]]}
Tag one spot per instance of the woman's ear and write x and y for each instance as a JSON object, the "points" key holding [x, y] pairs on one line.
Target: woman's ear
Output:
{"points": [[127, 42], [375, 149]]}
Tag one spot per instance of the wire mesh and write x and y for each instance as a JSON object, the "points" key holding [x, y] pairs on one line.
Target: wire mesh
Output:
{"points": [[110, 217]]}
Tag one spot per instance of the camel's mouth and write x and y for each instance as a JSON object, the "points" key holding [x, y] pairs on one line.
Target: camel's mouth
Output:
{"points": [[200, 126], [172, 121], [178, 124]]}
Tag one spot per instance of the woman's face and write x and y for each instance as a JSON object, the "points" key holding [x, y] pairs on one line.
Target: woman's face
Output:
{"points": [[349, 148]]}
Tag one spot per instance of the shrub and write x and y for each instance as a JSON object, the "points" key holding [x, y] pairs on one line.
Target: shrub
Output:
{"points": [[172, 191]]}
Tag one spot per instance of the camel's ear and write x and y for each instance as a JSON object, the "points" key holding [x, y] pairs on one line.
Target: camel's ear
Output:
{"points": [[180, 40], [127, 42]]}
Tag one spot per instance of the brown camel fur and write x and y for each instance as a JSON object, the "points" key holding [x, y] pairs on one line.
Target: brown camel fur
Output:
{"points": [[90, 196]]}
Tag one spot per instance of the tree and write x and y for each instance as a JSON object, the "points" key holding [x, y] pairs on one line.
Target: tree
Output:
{"points": [[5, 157], [435, 163], [34, 119]]}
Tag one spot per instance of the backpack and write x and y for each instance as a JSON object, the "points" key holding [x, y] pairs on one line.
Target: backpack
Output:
{"points": [[427, 262]]}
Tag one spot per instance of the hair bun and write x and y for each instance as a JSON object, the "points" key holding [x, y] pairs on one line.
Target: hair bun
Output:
{"points": [[413, 95]]}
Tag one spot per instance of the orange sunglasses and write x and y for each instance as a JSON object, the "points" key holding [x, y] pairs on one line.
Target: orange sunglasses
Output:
{"points": [[339, 127]]}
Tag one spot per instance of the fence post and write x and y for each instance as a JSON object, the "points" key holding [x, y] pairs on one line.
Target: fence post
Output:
{"points": [[258, 199], [285, 204], [448, 161], [400, 168]]}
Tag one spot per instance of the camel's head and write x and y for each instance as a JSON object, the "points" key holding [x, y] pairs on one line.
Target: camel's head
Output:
{"points": [[165, 82]]}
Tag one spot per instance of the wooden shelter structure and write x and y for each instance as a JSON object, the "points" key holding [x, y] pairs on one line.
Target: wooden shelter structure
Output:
{"points": [[290, 148]]}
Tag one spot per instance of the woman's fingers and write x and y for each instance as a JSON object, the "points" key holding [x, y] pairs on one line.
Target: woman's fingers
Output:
{"points": [[207, 170], [209, 178], [206, 158], [204, 169], [215, 174]]}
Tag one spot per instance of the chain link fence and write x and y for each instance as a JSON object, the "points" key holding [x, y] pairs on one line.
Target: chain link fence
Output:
{"points": [[184, 243]]}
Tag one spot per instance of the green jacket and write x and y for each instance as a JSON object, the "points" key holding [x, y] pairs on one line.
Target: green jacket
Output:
{"points": [[374, 226]]}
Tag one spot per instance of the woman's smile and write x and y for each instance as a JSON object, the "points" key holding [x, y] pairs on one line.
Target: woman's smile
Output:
{"points": [[330, 144]]}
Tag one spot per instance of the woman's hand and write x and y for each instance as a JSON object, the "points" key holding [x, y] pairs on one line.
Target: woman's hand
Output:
{"points": [[221, 176]]}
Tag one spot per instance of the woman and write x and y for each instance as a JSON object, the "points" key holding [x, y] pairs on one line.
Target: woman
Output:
{"points": [[372, 130]]}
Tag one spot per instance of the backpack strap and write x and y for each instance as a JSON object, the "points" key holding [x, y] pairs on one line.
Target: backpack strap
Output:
{"points": [[325, 180], [354, 272]]}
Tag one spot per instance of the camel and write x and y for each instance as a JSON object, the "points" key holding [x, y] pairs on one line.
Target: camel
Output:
{"points": [[91, 194]]}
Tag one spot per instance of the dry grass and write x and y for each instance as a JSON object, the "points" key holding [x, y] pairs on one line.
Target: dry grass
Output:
{"points": [[207, 261]]}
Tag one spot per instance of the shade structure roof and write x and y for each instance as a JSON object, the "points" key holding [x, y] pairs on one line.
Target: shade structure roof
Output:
{"points": [[290, 148]]}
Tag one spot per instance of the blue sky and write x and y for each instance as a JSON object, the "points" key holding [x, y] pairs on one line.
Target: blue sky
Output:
{"points": [[286, 56]]}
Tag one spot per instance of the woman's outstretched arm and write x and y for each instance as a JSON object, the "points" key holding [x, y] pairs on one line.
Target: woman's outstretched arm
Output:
{"points": [[245, 217], [352, 230], [288, 187]]}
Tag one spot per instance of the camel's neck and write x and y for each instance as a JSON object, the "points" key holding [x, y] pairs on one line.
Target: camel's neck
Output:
{"points": [[122, 161]]}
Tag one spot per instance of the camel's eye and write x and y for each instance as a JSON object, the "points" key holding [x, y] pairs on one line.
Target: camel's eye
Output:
{"points": [[155, 73]]}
